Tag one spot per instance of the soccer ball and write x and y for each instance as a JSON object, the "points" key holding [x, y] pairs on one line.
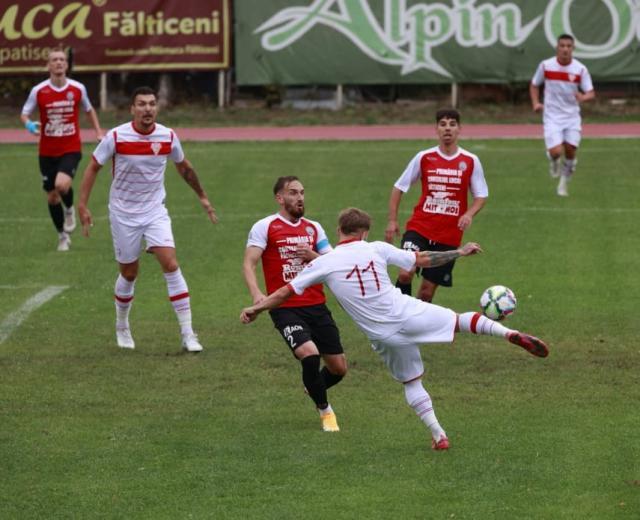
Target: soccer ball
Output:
{"points": [[497, 302]]}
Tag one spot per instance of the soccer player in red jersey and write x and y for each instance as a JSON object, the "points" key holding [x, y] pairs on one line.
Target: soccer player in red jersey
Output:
{"points": [[285, 242], [58, 100], [567, 84], [139, 151], [447, 174]]}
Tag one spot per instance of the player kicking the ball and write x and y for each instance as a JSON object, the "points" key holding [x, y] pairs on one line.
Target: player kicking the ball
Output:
{"points": [[395, 323]]}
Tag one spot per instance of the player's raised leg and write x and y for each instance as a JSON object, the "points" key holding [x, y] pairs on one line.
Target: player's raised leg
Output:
{"points": [[476, 323]]}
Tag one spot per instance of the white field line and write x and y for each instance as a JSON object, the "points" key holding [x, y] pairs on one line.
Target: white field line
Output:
{"points": [[13, 321]]}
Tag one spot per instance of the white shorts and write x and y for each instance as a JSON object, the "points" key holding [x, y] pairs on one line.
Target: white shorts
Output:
{"points": [[401, 352], [127, 239], [555, 134]]}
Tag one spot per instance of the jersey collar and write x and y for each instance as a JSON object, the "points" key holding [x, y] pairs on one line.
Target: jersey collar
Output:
{"points": [[153, 128], [348, 241]]}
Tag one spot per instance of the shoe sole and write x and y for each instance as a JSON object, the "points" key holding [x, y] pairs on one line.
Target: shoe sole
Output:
{"points": [[531, 344]]}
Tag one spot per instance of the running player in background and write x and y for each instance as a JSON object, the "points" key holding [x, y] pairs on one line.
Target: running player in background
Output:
{"points": [[139, 151], [447, 174], [396, 324], [58, 100], [285, 243], [567, 83]]}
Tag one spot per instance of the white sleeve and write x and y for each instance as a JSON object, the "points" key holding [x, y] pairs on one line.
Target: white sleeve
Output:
{"points": [[177, 154], [538, 77], [586, 85], [392, 255], [105, 149], [313, 273], [258, 235], [478, 183], [410, 175], [84, 99], [322, 244], [30, 104]]}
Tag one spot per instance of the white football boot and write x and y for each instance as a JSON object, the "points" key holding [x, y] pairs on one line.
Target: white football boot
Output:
{"points": [[64, 241], [69, 220], [124, 338], [190, 343]]}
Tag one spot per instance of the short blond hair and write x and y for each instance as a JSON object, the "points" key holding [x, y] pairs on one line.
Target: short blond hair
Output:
{"points": [[353, 220]]}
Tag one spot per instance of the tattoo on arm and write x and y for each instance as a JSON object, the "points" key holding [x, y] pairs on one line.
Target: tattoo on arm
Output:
{"points": [[437, 258], [189, 175]]}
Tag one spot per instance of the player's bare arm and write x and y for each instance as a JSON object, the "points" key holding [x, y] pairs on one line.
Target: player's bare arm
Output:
{"points": [[534, 94], [464, 222], [88, 180], [93, 117], [272, 301], [186, 171], [585, 96], [436, 258], [393, 229], [306, 252], [252, 256]]}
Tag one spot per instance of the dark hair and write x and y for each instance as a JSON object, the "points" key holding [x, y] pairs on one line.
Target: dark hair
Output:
{"points": [[353, 220], [142, 91], [566, 37], [282, 182], [447, 113]]}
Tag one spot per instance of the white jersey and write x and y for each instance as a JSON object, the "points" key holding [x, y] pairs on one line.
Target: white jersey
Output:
{"points": [[139, 162], [561, 83], [356, 273]]}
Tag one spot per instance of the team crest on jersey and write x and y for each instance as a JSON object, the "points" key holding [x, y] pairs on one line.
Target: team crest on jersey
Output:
{"points": [[155, 148], [310, 231], [462, 166], [572, 77], [70, 96]]}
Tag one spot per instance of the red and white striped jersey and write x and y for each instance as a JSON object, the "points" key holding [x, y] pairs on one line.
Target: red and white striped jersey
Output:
{"points": [[59, 109], [446, 182], [561, 83], [356, 273], [278, 238], [139, 163]]}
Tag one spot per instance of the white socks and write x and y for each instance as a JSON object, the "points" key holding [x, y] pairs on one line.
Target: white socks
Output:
{"points": [[420, 401], [476, 323], [569, 167], [179, 297], [123, 293]]}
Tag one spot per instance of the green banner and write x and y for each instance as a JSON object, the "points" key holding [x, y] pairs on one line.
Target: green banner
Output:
{"points": [[298, 42]]}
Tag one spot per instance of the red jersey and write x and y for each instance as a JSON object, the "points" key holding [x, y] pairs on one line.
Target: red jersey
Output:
{"points": [[278, 238], [446, 182], [59, 108]]}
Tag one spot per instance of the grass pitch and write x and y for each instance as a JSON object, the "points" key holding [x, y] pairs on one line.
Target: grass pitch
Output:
{"points": [[88, 430]]}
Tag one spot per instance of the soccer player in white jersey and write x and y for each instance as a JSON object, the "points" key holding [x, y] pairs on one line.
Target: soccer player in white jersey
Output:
{"points": [[395, 323], [567, 83], [58, 101], [139, 151]]}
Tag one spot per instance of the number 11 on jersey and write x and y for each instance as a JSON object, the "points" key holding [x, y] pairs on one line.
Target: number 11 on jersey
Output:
{"points": [[359, 273]]}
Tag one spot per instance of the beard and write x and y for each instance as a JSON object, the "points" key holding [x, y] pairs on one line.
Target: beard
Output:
{"points": [[295, 210]]}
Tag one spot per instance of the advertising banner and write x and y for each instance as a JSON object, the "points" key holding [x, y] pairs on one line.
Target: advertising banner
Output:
{"points": [[109, 35], [291, 42]]}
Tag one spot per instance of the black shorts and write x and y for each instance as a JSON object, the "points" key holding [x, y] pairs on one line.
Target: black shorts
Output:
{"points": [[441, 275], [50, 166], [301, 324]]}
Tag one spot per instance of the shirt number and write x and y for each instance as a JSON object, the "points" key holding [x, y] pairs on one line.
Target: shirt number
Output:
{"points": [[359, 273]]}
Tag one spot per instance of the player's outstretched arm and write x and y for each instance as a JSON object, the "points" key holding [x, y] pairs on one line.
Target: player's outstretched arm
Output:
{"points": [[88, 180], [272, 301], [186, 171], [436, 258]]}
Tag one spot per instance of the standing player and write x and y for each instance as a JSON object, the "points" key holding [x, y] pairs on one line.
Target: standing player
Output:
{"points": [[286, 242], [396, 324], [447, 173], [139, 151], [567, 83], [58, 100]]}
